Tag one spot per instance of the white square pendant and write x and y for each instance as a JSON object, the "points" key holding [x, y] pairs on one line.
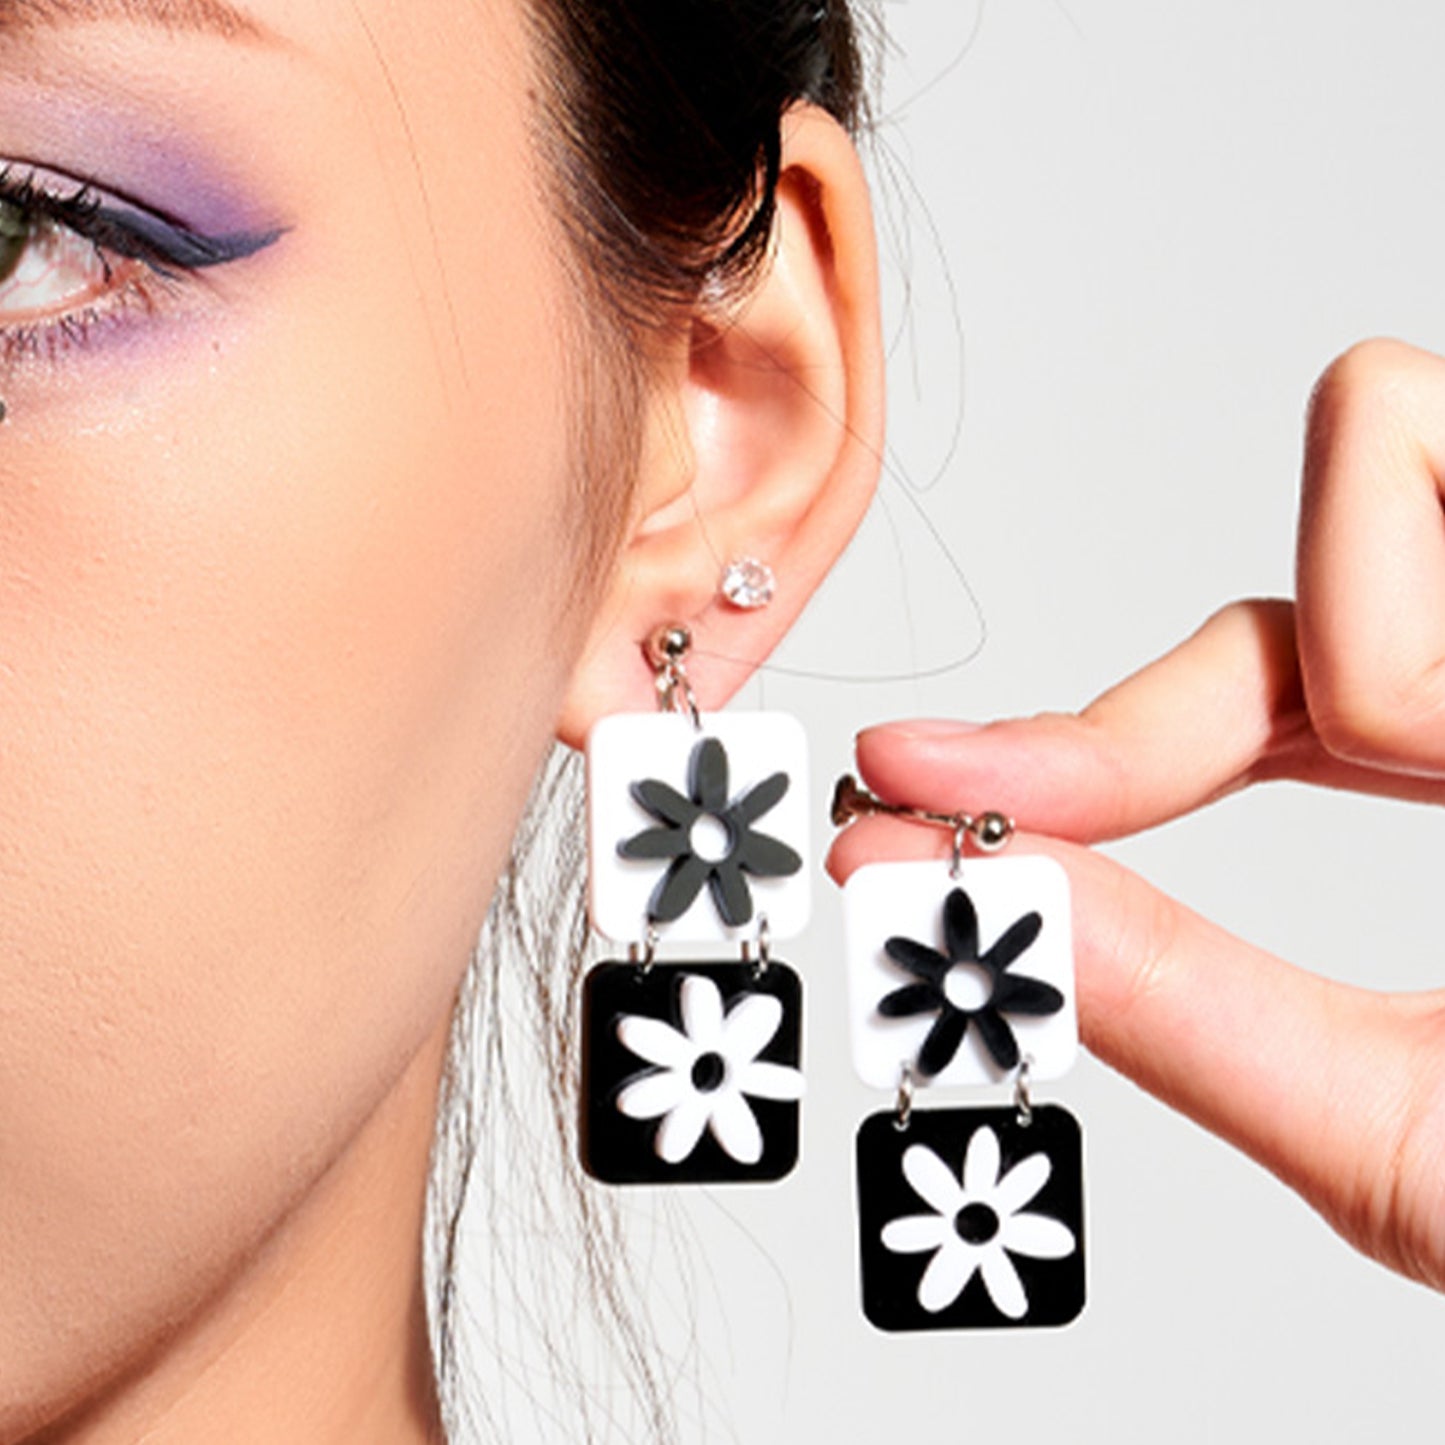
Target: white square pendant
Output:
{"points": [[960, 978], [698, 833]]}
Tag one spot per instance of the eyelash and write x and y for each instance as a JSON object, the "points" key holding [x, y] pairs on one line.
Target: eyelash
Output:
{"points": [[142, 276]]}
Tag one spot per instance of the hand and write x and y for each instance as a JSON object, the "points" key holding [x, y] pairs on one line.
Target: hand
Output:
{"points": [[1339, 1090]]}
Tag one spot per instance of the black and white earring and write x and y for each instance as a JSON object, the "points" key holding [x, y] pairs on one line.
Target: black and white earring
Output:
{"points": [[697, 834], [961, 974]]}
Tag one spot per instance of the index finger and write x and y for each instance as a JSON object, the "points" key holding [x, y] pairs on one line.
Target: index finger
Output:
{"points": [[1224, 709]]}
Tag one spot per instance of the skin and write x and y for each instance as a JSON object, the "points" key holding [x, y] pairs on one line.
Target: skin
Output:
{"points": [[290, 607], [297, 584], [1340, 1091]]}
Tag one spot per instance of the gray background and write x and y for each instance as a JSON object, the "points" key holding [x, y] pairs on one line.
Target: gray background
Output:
{"points": [[1133, 234], [1160, 223]]}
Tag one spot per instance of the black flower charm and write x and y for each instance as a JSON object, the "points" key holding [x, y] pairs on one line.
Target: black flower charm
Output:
{"points": [[1008, 993], [709, 839]]}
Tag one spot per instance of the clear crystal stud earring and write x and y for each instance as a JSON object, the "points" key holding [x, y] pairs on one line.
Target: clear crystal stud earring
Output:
{"points": [[749, 584]]}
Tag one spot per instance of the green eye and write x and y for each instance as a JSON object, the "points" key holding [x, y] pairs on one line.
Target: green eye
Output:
{"points": [[15, 235]]}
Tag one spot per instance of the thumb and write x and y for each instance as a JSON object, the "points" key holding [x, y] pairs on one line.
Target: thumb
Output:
{"points": [[1331, 1087]]}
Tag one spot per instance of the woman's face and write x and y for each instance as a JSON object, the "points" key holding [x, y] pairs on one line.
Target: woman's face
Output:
{"points": [[285, 547]]}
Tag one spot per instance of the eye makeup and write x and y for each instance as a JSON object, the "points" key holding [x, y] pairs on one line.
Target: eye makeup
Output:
{"points": [[163, 242], [83, 255], [120, 226]]}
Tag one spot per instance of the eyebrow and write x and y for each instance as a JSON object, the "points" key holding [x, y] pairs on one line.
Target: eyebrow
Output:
{"points": [[207, 17]]}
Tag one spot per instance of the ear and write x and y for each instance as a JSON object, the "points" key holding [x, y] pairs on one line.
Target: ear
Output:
{"points": [[764, 440]]}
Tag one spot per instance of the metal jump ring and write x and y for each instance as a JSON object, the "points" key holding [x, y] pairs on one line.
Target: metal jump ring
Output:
{"points": [[644, 954], [1023, 1102], [961, 828], [905, 1098], [675, 694], [764, 946]]}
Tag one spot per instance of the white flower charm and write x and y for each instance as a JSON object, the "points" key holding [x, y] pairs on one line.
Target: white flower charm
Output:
{"points": [[977, 1224], [706, 1071]]}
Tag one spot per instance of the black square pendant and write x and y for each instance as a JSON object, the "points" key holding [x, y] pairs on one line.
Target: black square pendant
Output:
{"points": [[969, 1219], [690, 1072]]}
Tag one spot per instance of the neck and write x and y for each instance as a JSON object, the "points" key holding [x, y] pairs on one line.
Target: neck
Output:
{"points": [[322, 1337]]}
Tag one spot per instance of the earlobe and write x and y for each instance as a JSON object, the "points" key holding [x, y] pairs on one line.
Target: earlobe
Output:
{"points": [[781, 401]]}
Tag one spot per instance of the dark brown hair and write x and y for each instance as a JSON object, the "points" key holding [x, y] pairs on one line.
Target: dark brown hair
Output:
{"points": [[658, 123]]}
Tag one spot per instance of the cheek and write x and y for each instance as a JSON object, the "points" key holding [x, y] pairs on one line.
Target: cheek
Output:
{"points": [[281, 639]]}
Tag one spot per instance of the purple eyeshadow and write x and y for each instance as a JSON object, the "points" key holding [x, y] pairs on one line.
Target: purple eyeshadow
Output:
{"points": [[173, 185], [141, 171]]}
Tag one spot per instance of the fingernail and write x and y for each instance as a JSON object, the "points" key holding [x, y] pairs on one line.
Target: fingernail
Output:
{"points": [[924, 730]]}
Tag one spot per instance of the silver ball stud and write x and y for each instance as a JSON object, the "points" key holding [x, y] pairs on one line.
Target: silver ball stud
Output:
{"points": [[668, 645], [991, 831]]}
